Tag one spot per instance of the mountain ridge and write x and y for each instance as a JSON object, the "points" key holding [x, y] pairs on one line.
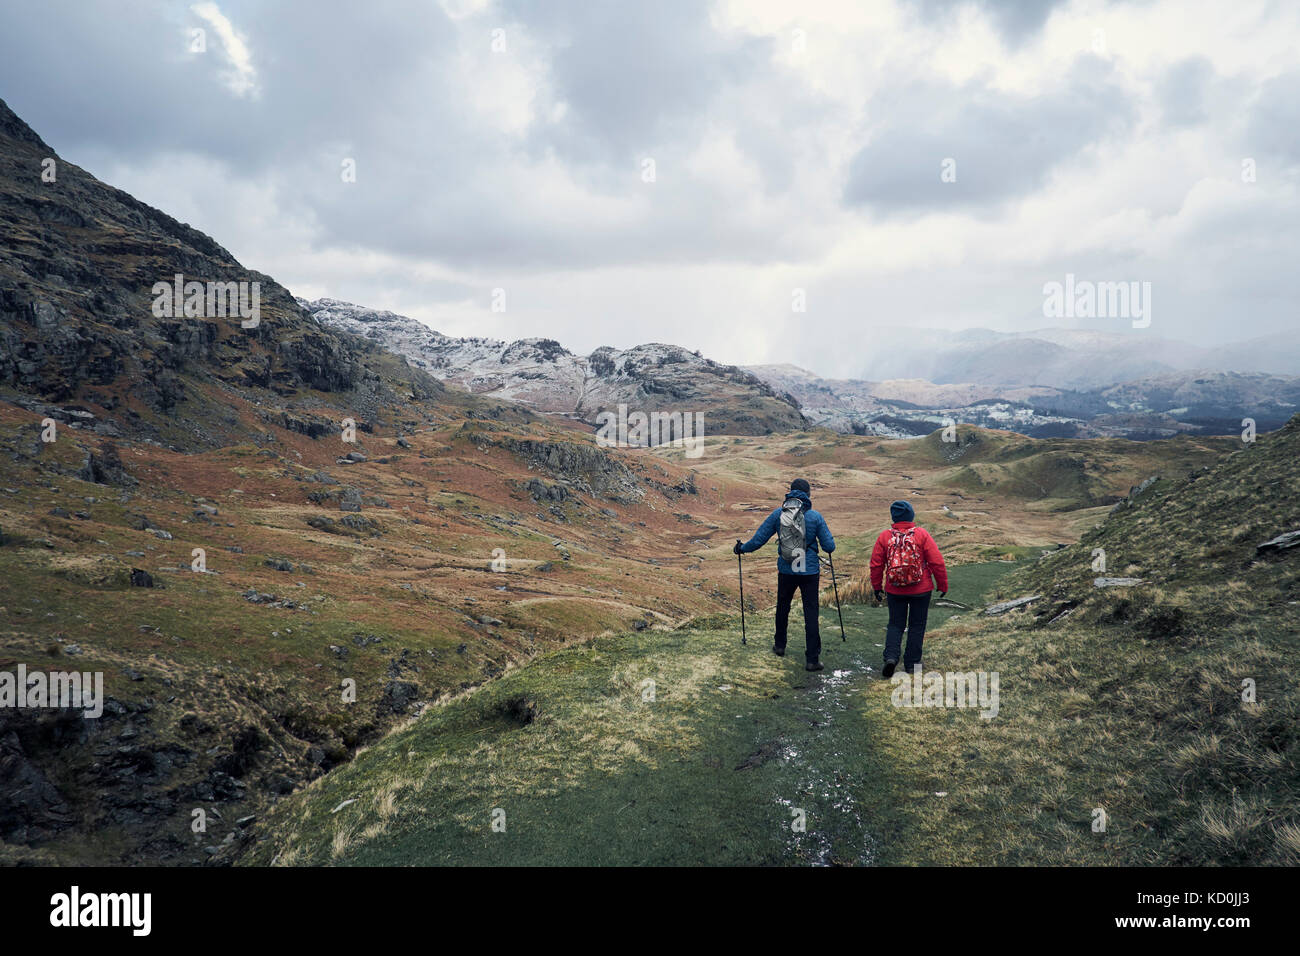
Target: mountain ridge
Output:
{"points": [[542, 374]]}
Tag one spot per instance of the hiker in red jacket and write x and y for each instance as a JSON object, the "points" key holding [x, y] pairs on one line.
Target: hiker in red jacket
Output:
{"points": [[904, 557]]}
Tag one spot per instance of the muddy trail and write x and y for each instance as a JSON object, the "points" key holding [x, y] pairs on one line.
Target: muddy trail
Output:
{"points": [[813, 771]]}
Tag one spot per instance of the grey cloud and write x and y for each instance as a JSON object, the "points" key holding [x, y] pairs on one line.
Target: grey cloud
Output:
{"points": [[435, 178], [439, 182], [1273, 128], [89, 75], [1015, 20], [639, 81], [1183, 91], [1004, 145], [634, 75]]}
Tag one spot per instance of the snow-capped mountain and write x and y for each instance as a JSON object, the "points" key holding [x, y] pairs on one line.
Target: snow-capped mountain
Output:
{"points": [[543, 374], [1158, 406], [1079, 359]]}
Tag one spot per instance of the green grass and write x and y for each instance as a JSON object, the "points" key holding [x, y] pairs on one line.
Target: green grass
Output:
{"points": [[707, 772], [1132, 703]]}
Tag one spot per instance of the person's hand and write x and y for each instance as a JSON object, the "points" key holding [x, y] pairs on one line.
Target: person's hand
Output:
{"points": [[736, 549], [879, 596], [943, 594]]}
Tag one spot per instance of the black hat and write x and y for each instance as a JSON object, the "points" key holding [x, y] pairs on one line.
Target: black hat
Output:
{"points": [[800, 485]]}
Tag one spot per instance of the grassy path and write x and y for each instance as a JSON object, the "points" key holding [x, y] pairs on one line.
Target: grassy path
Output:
{"points": [[676, 747]]}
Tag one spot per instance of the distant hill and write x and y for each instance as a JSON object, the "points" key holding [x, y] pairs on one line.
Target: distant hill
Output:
{"points": [[542, 374], [818, 394], [1073, 359], [1161, 405]]}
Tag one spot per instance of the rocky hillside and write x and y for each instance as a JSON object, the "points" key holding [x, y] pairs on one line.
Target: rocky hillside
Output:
{"points": [[196, 526], [81, 341], [544, 375], [1224, 538], [1150, 681]]}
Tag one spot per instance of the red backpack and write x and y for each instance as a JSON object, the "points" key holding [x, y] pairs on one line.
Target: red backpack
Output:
{"points": [[903, 563]]}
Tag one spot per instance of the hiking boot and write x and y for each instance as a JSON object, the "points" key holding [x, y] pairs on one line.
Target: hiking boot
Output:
{"points": [[778, 651], [813, 666], [888, 669]]}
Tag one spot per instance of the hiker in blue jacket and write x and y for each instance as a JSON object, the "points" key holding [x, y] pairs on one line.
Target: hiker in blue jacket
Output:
{"points": [[797, 565]]}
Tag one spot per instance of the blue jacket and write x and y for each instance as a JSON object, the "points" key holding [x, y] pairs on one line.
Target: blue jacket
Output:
{"points": [[815, 532]]}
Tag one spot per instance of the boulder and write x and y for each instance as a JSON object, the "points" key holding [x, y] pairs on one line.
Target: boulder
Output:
{"points": [[1282, 542], [995, 609]]}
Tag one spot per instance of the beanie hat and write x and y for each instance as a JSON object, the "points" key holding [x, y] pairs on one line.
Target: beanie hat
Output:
{"points": [[800, 485], [901, 511]]}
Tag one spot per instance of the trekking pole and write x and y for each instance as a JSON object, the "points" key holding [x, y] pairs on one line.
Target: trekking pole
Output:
{"points": [[837, 596], [740, 570]]}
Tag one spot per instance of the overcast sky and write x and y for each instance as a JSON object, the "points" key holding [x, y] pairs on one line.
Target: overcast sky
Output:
{"points": [[795, 145]]}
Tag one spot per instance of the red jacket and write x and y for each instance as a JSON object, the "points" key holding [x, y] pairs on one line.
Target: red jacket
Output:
{"points": [[931, 559]]}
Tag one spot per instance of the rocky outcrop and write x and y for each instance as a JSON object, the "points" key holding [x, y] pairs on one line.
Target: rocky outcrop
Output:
{"points": [[80, 320], [583, 468], [105, 467], [1002, 608], [33, 809], [1282, 542]]}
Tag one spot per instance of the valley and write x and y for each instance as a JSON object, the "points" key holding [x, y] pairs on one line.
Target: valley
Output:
{"points": [[1122, 734], [355, 586], [226, 687]]}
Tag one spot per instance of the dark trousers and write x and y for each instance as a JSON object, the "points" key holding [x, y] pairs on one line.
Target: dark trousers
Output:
{"points": [[809, 587], [906, 611]]}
